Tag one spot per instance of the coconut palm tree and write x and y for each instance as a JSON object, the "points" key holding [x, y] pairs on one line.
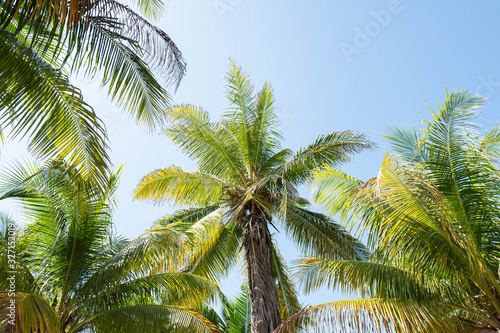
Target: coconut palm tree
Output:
{"points": [[245, 184], [67, 271], [432, 216], [42, 42]]}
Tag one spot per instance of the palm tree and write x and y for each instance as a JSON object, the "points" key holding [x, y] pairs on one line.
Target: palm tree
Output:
{"points": [[72, 273], [432, 216], [246, 182], [42, 42]]}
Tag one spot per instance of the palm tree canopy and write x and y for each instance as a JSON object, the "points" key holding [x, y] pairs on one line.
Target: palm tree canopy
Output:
{"points": [[433, 224], [74, 274], [243, 168], [41, 42]]}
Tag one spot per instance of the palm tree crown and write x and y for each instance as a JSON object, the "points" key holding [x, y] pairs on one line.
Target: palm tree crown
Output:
{"points": [[432, 214], [73, 274], [245, 182]]}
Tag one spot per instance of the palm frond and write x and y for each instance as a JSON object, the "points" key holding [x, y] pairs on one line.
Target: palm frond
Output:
{"points": [[182, 188], [143, 253], [213, 247], [210, 143], [236, 313], [242, 114], [39, 103], [316, 234], [375, 315], [405, 141], [335, 191], [32, 313], [178, 289], [373, 279], [148, 318], [128, 77], [332, 149], [150, 8]]}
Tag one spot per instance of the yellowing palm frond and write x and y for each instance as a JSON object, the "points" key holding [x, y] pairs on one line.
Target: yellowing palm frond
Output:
{"points": [[183, 188]]}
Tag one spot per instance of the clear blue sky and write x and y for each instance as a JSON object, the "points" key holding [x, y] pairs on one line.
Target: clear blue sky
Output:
{"points": [[326, 76]]}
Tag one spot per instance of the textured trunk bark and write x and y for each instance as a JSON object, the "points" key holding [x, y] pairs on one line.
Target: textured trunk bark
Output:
{"points": [[261, 284]]}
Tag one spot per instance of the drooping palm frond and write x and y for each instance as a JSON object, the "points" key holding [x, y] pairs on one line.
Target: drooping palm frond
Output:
{"points": [[375, 315], [126, 48], [32, 313], [39, 103], [212, 247], [148, 318], [42, 40], [373, 279], [316, 234], [177, 289], [128, 78]]}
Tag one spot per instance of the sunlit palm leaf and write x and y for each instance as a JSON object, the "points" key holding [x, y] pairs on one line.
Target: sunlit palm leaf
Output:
{"points": [[40, 103]]}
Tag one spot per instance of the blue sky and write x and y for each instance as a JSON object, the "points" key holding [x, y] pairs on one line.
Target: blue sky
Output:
{"points": [[332, 65]]}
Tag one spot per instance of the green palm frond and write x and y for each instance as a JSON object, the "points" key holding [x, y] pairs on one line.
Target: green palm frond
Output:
{"points": [[316, 234], [129, 79], [406, 142], [179, 289], [236, 314], [372, 279], [241, 115], [266, 138], [156, 47], [124, 47], [143, 253], [150, 8], [39, 103], [186, 217], [335, 191], [491, 141], [211, 144], [81, 276], [32, 313]]}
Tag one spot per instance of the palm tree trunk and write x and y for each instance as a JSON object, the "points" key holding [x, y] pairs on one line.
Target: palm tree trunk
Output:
{"points": [[261, 283]]}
